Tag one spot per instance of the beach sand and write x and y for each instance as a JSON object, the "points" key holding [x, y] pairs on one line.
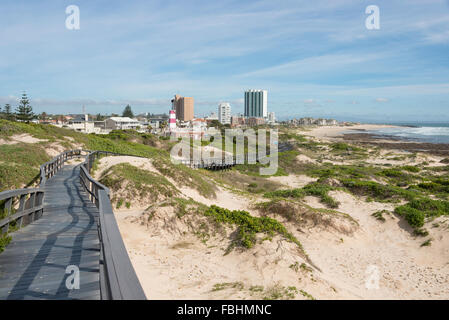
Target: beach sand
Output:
{"points": [[172, 263], [335, 132]]}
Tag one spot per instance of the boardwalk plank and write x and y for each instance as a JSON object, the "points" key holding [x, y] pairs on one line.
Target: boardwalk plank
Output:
{"points": [[33, 265]]}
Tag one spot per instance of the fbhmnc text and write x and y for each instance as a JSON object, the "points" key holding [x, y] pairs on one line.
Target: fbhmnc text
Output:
{"points": [[226, 309]]}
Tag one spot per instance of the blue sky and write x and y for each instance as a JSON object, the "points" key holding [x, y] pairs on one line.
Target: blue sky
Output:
{"points": [[315, 58]]}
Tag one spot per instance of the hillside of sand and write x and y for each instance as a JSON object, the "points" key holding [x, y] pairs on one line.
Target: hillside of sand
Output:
{"points": [[174, 262]]}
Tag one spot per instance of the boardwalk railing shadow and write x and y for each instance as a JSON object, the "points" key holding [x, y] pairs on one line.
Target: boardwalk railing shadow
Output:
{"points": [[85, 234]]}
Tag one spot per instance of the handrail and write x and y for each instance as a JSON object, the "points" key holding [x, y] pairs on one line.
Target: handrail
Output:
{"points": [[118, 280], [50, 168], [30, 207], [31, 200], [225, 161]]}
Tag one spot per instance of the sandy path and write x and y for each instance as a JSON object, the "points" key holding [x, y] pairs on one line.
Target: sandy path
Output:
{"points": [[25, 138]]}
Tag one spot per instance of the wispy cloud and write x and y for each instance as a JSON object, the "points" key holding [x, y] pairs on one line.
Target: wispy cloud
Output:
{"points": [[324, 63]]}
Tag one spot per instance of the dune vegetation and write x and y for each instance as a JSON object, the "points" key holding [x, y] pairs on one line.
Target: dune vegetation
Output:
{"points": [[320, 186]]}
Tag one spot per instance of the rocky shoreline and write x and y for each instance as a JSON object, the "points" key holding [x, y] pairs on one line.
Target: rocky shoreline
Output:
{"points": [[397, 143]]}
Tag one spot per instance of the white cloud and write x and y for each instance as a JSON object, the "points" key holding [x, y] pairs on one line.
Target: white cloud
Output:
{"points": [[315, 64], [382, 100]]}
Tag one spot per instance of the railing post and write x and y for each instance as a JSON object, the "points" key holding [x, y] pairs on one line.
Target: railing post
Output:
{"points": [[8, 205], [21, 208], [37, 203]]}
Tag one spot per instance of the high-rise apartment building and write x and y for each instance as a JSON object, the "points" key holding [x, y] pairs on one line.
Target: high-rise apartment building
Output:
{"points": [[224, 113], [183, 107], [256, 102]]}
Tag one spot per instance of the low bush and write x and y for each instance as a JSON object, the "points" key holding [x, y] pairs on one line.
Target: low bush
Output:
{"points": [[417, 210], [414, 217], [378, 191], [414, 169], [5, 239], [248, 225], [313, 189]]}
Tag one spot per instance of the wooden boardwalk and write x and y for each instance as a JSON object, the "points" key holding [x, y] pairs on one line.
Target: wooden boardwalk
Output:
{"points": [[33, 265]]}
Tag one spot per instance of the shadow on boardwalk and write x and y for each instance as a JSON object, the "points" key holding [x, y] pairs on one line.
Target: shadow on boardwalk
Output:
{"points": [[33, 266]]}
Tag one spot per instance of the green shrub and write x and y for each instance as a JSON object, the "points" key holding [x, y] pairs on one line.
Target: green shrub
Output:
{"points": [[414, 217], [417, 210], [393, 173], [341, 146], [313, 189], [4, 241], [292, 136], [137, 182], [379, 215], [421, 232], [119, 203], [342, 171], [248, 226], [378, 191], [414, 169], [436, 186]]}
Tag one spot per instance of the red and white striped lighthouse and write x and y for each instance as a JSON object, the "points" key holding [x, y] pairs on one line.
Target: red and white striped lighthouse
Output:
{"points": [[172, 120]]}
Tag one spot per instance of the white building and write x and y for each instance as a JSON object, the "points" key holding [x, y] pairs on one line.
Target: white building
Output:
{"points": [[271, 117], [256, 104], [122, 123], [224, 113], [81, 123]]}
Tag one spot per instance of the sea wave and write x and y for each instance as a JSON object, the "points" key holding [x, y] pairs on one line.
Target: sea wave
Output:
{"points": [[426, 134], [428, 131]]}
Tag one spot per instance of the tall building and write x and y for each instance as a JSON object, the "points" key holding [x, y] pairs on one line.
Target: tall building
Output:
{"points": [[256, 102], [224, 113], [183, 107]]}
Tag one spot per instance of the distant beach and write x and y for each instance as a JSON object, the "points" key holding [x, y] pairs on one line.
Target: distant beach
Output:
{"points": [[432, 138], [418, 132]]}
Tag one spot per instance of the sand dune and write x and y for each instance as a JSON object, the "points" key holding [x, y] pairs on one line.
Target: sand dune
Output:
{"points": [[172, 263]]}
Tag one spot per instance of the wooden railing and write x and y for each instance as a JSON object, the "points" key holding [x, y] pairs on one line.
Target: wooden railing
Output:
{"points": [[228, 160], [118, 280], [23, 206], [219, 162], [29, 207], [50, 168]]}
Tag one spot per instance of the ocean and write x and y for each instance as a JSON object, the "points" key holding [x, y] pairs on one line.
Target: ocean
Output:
{"points": [[420, 132]]}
